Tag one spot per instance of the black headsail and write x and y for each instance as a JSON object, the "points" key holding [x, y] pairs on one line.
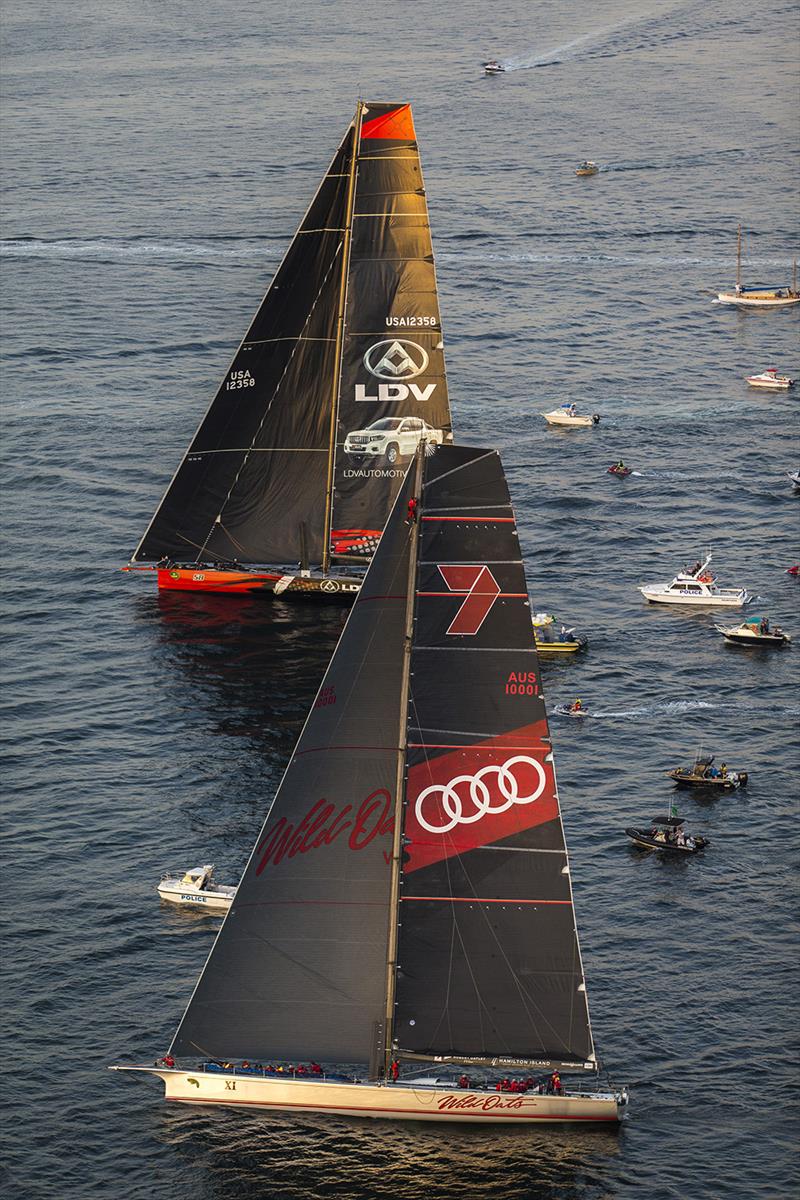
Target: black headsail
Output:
{"points": [[348, 333], [489, 967], [299, 967], [409, 893]]}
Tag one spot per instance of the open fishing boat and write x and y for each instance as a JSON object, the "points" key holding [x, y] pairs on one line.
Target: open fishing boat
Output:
{"points": [[493, 67], [196, 888], [755, 631], [771, 381], [554, 639], [667, 834], [282, 485], [758, 296], [695, 585], [568, 417], [587, 167], [703, 774], [419, 811]]}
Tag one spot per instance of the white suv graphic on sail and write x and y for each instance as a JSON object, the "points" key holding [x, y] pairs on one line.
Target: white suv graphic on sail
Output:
{"points": [[392, 438]]}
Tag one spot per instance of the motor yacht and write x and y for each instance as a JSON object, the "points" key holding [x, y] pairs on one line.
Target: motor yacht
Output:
{"points": [[695, 585]]}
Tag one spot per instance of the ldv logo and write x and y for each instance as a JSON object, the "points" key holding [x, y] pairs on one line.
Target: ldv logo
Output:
{"points": [[481, 588]]}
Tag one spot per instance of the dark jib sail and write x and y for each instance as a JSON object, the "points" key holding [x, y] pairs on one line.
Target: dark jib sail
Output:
{"points": [[337, 381], [450, 933], [299, 967]]}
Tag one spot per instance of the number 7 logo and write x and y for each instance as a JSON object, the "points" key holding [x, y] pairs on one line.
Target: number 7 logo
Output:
{"points": [[481, 588]]}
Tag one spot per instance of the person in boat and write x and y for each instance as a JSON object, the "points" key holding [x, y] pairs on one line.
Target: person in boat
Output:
{"points": [[764, 626], [723, 770], [166, 1061], [576, 706], [394, 1070], [572, 410], [464, 1082], [695, 567], [554, 1084]]}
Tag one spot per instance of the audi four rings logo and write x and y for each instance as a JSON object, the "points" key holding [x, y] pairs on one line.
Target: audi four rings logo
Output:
{"points": [[395, 360], [480, 797]]}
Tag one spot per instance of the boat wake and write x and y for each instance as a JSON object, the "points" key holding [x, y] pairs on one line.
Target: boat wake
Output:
{"points": [[116, 249]]}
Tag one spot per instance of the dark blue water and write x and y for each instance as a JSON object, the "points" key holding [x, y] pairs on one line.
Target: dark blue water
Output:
{"points": [[156, 160]]}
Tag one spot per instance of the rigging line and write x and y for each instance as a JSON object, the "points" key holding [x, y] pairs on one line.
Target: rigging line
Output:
{"points": [[298, 337], [473, 507], [228, 534], [268, 409], [262, 450], [479, 649]]}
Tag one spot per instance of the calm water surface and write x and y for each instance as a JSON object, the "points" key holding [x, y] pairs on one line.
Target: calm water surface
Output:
{"points": [[156, 160]]}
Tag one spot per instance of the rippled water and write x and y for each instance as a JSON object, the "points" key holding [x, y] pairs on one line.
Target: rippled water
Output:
{"points": [[157, 159]]}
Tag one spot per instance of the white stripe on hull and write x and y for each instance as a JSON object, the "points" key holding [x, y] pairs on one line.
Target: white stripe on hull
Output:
{"points": [[401, 1101]]}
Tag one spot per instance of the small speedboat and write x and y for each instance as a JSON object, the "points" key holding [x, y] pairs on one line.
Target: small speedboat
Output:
{"points": [[493, 67], [550, 639], [620, 470], [587, 167], [703, 774], [567, 415], [795, 478], [771, 380], [794, 571], [196, 888], [667, 834], [568, 710], [755, 631], [694, 585]]}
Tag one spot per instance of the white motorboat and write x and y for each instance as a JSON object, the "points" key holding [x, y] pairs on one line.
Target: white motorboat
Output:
{"points": [[196, 889], [568, 415], [771, 380], [795, 477], [695, 585], [756, 631], [493, 67]]}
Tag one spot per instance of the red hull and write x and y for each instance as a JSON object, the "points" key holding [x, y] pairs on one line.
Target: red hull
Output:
{"points": [[232, 582]]}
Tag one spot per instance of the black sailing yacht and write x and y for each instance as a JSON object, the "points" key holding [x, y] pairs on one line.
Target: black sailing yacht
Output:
{"points": [[408, 899], [338, 380]]}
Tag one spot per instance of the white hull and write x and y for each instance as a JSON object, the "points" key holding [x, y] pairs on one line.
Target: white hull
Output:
{"points": [[756, 301], [655, 595], [401, 1101], [771, 385], [191, 898], [556, 418]]}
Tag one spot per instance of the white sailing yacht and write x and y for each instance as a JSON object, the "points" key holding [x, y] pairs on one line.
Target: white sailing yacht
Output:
{"points": [[407, 906]]}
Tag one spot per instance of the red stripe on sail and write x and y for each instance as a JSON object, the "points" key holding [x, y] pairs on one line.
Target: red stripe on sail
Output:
{"points": [[396, 125], [478, 795]]}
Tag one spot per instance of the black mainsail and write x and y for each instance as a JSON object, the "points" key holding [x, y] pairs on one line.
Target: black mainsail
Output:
{"points": [[409, 894], [337, 381]]}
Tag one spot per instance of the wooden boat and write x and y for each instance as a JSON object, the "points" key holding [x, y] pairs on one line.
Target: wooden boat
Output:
{"points": [[568, 417], [703, 774], [771, 381], [395, 834], [666, 835], [695, 586], [551, 639], [758, 296], [755, 631], [196, 888], [287, 483], [587, 167]]}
